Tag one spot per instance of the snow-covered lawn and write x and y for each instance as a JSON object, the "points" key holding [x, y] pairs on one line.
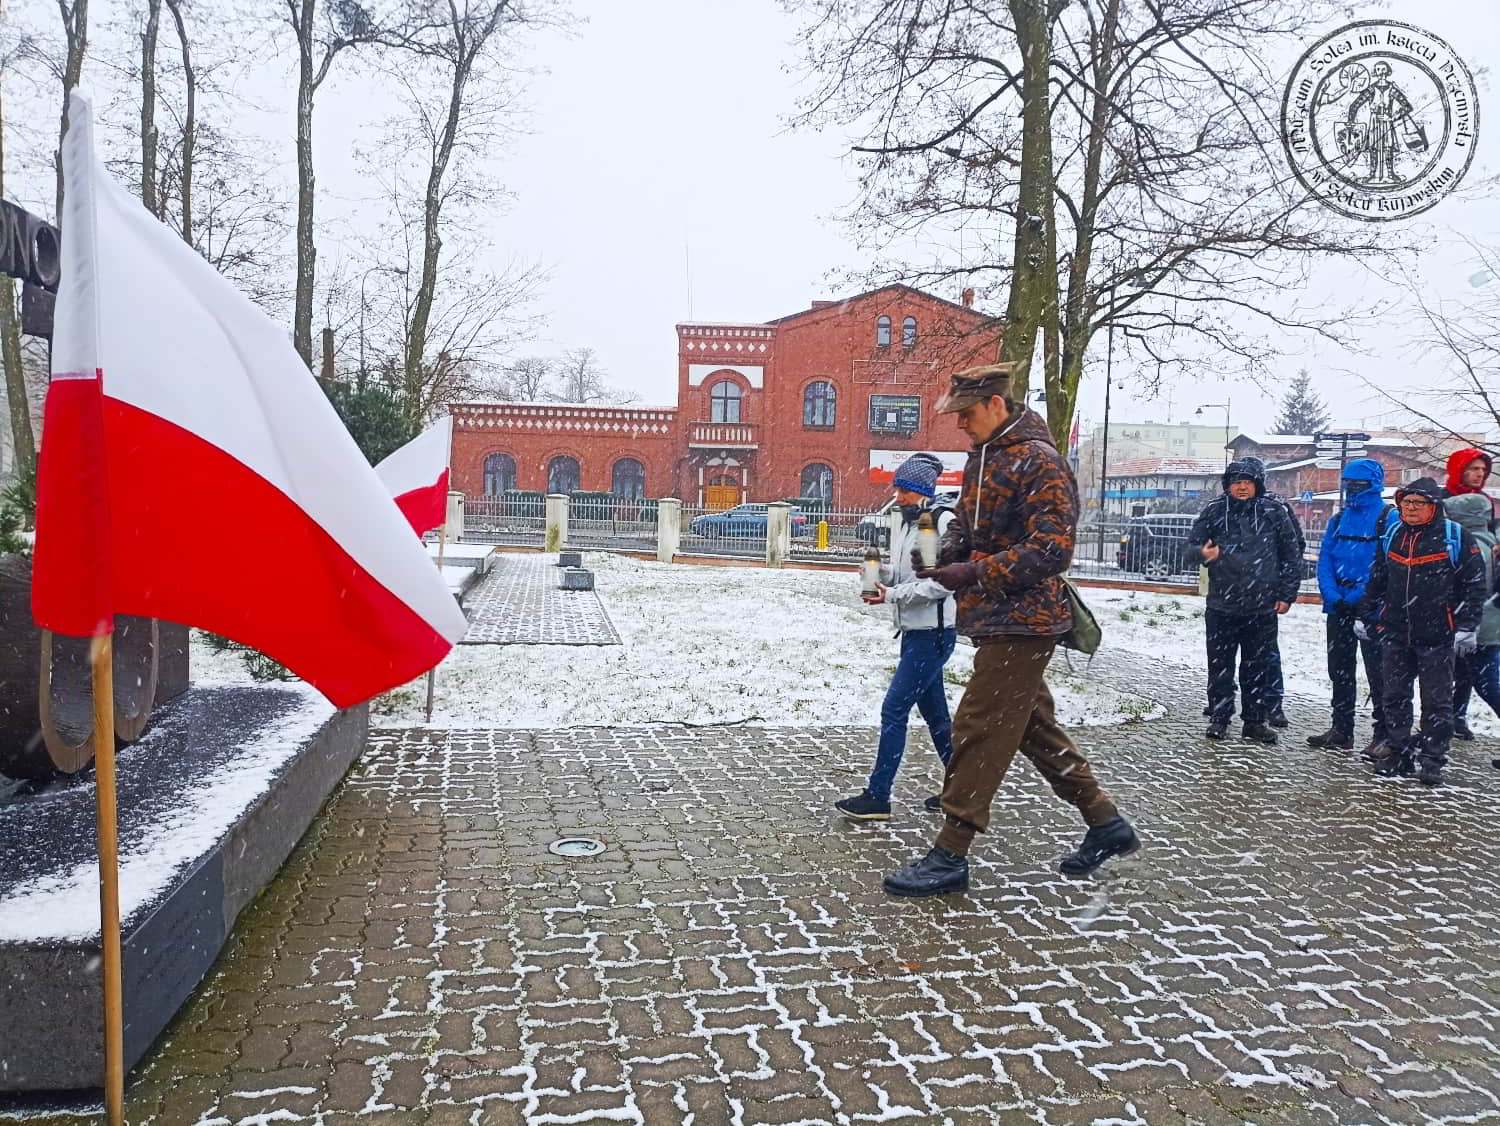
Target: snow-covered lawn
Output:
{"points": [[1171, 626], [702, 645]]}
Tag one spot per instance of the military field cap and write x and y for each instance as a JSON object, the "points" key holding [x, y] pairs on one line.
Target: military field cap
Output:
{"points": [[974, 385]]}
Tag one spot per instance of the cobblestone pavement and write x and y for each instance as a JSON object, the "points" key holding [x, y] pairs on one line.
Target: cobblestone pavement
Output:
{"points": [[1297, 943], [518, 603]]}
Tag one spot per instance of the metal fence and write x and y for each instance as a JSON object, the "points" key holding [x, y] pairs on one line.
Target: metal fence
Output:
{"points": [[714, 531], [501, 520], [599, 523], [1118, 550]]}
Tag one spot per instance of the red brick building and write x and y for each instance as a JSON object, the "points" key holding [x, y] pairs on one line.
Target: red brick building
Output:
{"points": [[821, 403]]}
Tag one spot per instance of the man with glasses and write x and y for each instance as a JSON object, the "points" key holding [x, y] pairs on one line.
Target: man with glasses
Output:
{"points": [[1423, 603]]}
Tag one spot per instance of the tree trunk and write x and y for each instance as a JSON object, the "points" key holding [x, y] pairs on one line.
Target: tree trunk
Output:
{"points": [[1032, 304], [190, 121], [148, 107], [23, 439], [76, 30], [306, 251]]}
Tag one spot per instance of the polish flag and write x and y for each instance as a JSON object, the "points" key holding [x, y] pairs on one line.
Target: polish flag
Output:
{"points": [[416, 475], [192, 469]]}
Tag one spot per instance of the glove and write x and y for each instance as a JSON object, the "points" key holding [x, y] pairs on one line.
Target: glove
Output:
{"points": [[1362, 631], [1465, 642], [954, 576]]}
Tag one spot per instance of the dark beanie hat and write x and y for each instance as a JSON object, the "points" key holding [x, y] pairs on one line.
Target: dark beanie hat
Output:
{"points": [[919, 474]]}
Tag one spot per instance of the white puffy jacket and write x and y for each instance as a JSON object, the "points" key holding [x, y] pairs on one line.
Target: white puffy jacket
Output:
{"points": [[916, 603]]}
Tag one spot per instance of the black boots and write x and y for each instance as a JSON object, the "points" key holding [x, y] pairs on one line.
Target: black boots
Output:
{"points": [[1279, 719], [1216, 730], [1258, 733], [940, 872], [933, 804], [1461, 730], [1332, 740], [1116, 837], [863, 807]]}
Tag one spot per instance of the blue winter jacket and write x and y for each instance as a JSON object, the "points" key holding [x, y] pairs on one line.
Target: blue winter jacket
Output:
{"points": [[1350, 540]]}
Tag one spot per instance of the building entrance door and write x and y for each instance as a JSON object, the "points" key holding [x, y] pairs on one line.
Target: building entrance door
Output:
{"points": [[721, 493]]}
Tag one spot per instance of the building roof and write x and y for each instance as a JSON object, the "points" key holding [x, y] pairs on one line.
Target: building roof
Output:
{"points": [[825, 306], [471, 403], [1275, 439], [1167, 467]]}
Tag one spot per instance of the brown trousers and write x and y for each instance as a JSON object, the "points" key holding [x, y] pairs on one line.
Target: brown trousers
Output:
{"points": [[1007, 707]]}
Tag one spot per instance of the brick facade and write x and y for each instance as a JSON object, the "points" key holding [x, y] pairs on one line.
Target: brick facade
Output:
{"points": [[760, 407]]}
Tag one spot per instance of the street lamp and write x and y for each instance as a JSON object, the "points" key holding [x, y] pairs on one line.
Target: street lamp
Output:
{"points": [[399, 271], [1225, 406]]}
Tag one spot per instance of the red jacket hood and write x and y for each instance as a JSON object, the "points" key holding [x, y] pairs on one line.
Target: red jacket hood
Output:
{"points": [[1460, 460]]}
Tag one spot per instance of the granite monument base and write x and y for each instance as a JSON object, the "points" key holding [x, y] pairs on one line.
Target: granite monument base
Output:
{"points": [[212, 801]]}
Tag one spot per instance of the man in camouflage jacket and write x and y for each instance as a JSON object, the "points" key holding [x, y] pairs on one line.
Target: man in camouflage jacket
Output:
{"points": [[1004, 555]]}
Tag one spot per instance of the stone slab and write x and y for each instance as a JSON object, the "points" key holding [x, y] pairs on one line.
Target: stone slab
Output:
{"points": [[576, 578], [222, 788], [519, 603]]}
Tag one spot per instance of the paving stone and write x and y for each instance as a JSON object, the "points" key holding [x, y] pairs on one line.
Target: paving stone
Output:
{"points": [[518, 603]]}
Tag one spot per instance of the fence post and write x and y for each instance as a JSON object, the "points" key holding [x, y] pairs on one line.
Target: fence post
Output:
{"points": [[668, 528], [778, 533], [557, 522], [453, 522]]}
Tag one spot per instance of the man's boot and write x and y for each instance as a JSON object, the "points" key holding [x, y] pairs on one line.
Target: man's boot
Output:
{"points": [[1258, 732], [1375, 749], [1278, 719], [1116, 837], [940, 872], [1332, 740], [1461, 729], [1394, 761], [1430, 772], [1216, 730]]}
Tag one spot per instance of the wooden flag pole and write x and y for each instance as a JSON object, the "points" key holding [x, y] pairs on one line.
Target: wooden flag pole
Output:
{"points": [[101, 660], [432, 672]]}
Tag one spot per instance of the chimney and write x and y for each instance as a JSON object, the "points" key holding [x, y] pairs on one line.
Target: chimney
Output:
{"points": [[968, 298], [823, 304]]}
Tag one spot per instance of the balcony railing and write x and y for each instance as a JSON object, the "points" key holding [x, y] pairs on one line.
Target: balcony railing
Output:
{"points": [[724, 435]]}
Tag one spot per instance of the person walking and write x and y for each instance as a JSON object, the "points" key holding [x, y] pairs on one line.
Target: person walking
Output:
{"points": [[1423, 602], [1276, 693], [1004, 555], [1344, 561], [925, 617], [1479, 671], [1469, 472], [1249, 546]]}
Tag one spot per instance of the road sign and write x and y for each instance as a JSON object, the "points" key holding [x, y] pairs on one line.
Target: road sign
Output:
{"points": [[1340, 437], [1306, 496], [1327, 463]]}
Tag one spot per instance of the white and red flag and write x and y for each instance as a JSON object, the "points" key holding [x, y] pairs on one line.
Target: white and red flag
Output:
{"points": [[192, 469], [416, 476]]}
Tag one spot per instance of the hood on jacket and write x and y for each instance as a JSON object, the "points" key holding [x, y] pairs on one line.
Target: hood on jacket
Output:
{"points": [[1458, 461], [1472, 511], [1365, 469], [1251, 467], [1421, 487]]}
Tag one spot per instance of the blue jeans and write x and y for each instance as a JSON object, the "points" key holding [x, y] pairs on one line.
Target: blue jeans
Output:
{"points": [[919, 681]]}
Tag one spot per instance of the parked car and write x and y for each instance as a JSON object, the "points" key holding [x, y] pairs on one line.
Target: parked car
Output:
{"points": [[876, 527], [742, 521], [1156, 546]]}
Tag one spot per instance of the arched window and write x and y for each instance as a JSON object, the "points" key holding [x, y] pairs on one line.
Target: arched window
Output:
{"points": [[909, 332], [882, 332], [499, 474], [817, 481], [724, 402], [628, 479], [562, 475], [819, 401]]}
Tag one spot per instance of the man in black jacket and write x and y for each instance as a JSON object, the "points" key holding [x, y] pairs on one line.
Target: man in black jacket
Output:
{"points": [[1249, 545], [1275, 713], [1423, 602]]}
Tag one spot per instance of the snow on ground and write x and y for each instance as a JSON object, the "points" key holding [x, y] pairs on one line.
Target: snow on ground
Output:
{"points": [[1170, 626], [701, 645]]}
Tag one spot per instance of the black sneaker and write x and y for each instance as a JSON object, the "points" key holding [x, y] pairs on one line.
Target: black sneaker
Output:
{"points": [[1332, 740], [1430, 774], [864, 808], [933, 804], [1279, 719], [1115, 837], [1259, 733], [1462, 730], [940, 872], [1216, 730]]}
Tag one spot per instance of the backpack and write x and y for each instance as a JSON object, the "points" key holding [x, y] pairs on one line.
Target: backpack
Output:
{"points": [[1452, 538]]}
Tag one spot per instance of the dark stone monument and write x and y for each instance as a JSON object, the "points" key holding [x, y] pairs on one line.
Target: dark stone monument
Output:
{"points": [[570, 559], [576, 578]]}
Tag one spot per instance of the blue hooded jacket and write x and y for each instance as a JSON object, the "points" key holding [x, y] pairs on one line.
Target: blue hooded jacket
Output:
{"points": [[1350, 540]]}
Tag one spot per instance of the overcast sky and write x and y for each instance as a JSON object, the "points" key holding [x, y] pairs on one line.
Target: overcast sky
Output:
{"points": [[659, 182]]}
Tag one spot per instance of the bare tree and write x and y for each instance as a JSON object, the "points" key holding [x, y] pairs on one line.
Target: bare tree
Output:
{"points": [[189, 123], [75, 22], [23, 438], [148, 105], [1169, 214], [581, 379], [321, 34], [529, 379]]}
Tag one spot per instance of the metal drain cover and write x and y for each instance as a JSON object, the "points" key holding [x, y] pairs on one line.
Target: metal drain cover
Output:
{"points": [[576, 846]]}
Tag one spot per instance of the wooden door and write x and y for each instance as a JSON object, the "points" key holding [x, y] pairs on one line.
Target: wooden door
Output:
{"points": [[720, 497]]}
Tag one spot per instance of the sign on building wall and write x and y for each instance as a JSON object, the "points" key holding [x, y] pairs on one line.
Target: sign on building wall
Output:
{"points": [[895, 414], [884, 463]]}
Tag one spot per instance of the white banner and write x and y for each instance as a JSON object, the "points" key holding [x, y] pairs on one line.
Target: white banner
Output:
{"points": [[884, 463]]}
